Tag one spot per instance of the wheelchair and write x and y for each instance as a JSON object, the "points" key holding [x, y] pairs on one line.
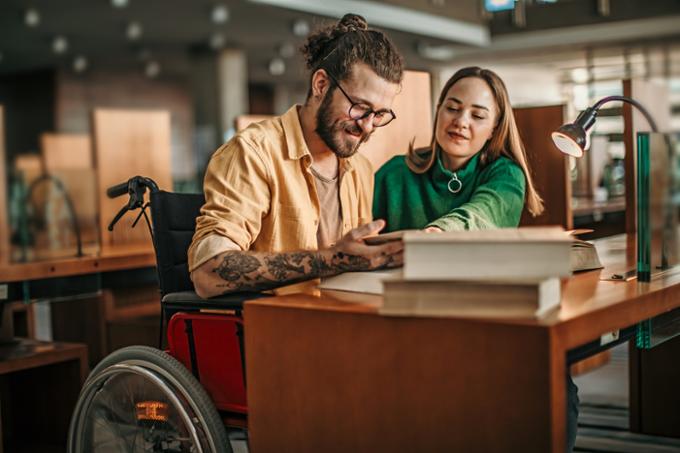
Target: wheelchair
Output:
{"points": [[142, 399]]}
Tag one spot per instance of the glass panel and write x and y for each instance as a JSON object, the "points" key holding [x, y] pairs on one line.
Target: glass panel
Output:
{"points": [[658, 199], [49, 212]]}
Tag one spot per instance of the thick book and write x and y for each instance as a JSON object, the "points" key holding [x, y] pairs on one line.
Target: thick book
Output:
{"points": [[360, 282], [531, 253], [584, 256], [495, 299]]}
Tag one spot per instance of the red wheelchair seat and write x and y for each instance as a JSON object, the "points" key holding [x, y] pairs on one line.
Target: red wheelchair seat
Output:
{"points": [[211, 347]]}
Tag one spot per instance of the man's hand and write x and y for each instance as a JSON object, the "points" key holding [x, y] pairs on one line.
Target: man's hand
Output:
{"points": [[351, 253], [432, 229]]}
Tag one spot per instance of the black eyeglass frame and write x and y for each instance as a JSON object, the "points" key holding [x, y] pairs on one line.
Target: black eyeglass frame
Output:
{"points": [[366, 114]]}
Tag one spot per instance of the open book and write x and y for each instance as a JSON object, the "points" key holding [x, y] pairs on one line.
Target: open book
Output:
{"points": [[360, 282], [583, 256]]}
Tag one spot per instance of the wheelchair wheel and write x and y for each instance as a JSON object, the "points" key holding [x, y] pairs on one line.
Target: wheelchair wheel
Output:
{"points": [[139, 400]]}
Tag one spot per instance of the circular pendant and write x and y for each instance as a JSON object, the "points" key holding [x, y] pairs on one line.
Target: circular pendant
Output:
{"points": [[454, 184]]}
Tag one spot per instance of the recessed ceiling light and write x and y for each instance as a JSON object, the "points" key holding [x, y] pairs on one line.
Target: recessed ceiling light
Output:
{"points": [[152, 69], [80, 64], [59, 45], [217, 41], [119, 3], [287, 50], [277, 66], [32, 17], [219, 14], [300, 27], [134, 31]]}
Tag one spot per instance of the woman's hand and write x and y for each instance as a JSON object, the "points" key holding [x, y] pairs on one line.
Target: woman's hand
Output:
{"points": [[432, 229]]}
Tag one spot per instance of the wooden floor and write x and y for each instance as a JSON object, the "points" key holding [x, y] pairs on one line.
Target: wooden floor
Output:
{"points": [[603, 424], [603, 418]]}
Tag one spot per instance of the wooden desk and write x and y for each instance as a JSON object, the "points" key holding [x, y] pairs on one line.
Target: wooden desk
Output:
{"points": [[39, 385], [327, 375], [114, 258]]}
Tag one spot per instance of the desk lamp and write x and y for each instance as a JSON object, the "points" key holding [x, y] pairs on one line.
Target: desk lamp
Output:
{"points": [[571, 138]]}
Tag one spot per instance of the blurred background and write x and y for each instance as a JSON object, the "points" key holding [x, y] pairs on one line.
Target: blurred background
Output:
{"points": [[206, 63], [93, 92]]}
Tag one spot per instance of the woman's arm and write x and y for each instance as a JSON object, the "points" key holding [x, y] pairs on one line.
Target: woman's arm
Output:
{"points": [[496, 203]]}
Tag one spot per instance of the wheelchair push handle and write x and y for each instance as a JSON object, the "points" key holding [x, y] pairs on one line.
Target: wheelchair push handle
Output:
{"points": [[117, 190], [135, 187]]}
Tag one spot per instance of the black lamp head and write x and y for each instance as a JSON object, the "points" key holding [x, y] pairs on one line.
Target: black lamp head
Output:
{"points": [[572, 138]]}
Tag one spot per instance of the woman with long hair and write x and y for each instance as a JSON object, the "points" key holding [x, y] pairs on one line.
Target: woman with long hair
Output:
{"points": [[473, 175]]}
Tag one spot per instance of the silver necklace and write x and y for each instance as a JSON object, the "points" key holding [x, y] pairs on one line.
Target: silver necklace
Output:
{"points": [[454, 184]]}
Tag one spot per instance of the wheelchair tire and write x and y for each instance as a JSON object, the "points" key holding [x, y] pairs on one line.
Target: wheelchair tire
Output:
{"points": [[140, 399]]}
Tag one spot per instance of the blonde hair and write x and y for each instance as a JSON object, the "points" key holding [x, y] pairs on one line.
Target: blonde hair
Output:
{"points": [[505, 140]]}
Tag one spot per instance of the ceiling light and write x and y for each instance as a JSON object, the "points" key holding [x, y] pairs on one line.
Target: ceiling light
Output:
{"points": [[287, 50], [277, 66], [384, 15], [119, 3], [59, 45], [217, 41], [134, 31], [32, 17], [152, 69], [219, 14], [301, 28], [80, 64], [442, 52]]}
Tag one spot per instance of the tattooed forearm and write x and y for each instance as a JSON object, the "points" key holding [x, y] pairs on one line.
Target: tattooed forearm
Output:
{"points": [[234, 265], [249, 271]]}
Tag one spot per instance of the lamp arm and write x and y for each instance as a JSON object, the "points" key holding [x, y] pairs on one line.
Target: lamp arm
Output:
{"points": [[633, 102]]}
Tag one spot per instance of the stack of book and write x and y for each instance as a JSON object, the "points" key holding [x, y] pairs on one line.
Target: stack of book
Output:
{"points": [[487, 273]]}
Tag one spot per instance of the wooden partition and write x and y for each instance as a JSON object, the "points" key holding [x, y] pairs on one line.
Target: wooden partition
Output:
{"points": [[549, 167], [4, 190], [413, 107], [654, 373], [66, 151], [69, 158], [654, 97], [129, 143]]}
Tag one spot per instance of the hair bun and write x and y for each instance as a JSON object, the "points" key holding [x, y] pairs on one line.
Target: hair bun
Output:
{"points": [[351, 22]]}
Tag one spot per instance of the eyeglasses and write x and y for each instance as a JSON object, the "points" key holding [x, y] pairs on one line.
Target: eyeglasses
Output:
{"points": [[359, 111]]}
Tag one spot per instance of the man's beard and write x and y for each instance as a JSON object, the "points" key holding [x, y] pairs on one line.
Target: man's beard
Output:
{"points": [[332, 132]]}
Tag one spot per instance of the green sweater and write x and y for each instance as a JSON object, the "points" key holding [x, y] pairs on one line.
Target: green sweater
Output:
{"points": [[490, 196]]}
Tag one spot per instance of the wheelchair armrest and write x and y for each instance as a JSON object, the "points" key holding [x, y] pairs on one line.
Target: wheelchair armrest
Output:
{"points": [[190, 301]]}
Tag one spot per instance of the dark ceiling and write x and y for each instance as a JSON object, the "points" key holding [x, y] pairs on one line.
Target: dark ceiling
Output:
{"points": [[172, 29]]}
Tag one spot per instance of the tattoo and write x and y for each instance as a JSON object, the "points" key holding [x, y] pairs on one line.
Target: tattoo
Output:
{"points": [[284, 265], [235, 265], [347, 263], [248, 271]]}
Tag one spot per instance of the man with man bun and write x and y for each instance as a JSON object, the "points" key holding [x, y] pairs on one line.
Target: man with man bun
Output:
{"points": [[289, 199]]}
